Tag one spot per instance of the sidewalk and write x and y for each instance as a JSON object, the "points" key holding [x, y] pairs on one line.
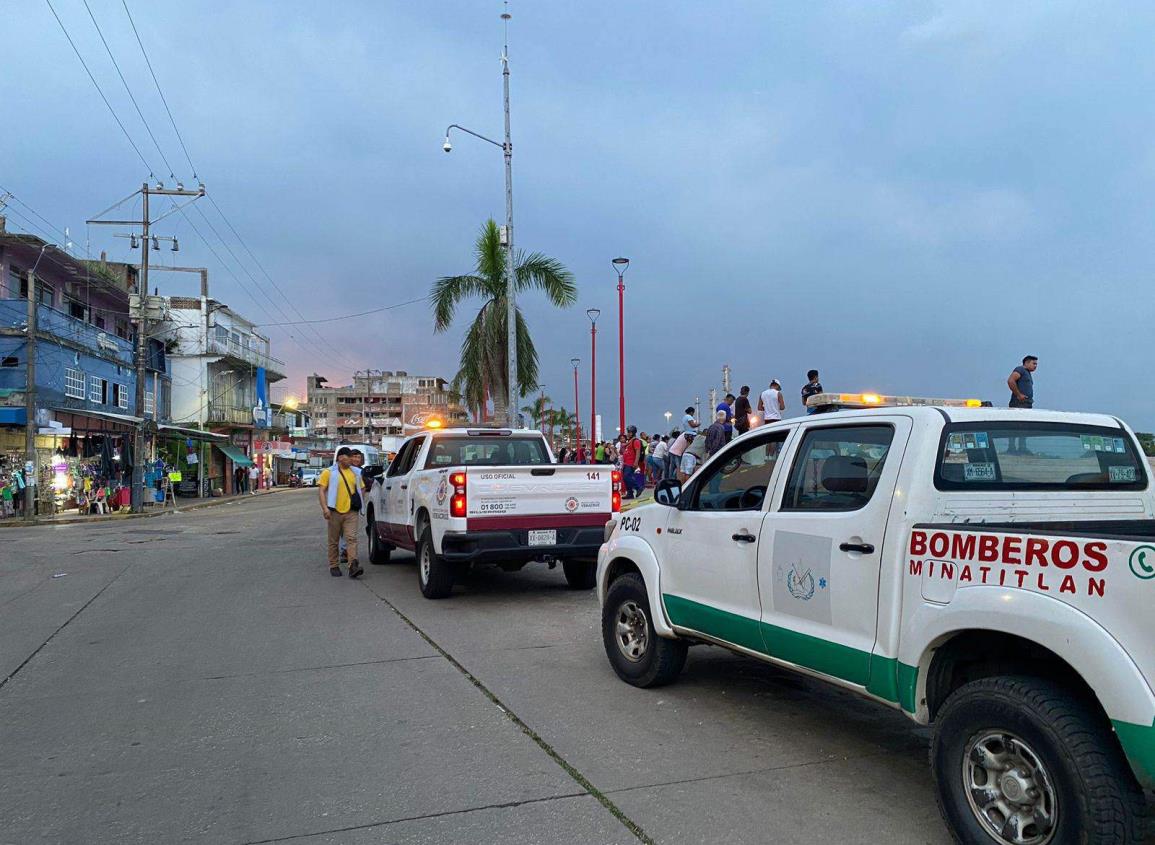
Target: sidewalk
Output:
{"points": [[182, 505]]}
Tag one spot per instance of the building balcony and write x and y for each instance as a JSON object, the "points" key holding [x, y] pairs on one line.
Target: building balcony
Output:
{"points": [[222, 414], [247, 356], [57, 324]]}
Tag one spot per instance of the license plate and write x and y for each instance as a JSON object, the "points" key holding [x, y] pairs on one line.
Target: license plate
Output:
{"points": [[543, 537]]}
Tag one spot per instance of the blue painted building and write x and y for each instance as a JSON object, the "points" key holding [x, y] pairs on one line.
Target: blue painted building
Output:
{"points": [[85, 379]]}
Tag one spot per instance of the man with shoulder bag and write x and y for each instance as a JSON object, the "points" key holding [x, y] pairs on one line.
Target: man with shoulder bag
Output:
{"points": [[340, 495]]}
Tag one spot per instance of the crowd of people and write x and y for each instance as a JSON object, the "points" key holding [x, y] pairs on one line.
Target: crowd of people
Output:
{"points": [[645, 459]]}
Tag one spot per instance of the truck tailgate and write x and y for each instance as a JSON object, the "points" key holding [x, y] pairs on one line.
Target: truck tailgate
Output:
{"points": [[541, 496]]}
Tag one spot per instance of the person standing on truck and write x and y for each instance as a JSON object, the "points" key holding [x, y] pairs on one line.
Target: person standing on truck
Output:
{"points": [[771, 403], [339, 492], [812, 388], [688, 421], [742, 410], [1022, 383], [727, 405]]}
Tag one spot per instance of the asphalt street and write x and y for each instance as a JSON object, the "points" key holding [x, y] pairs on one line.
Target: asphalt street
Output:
{"points": [[200, 678]]}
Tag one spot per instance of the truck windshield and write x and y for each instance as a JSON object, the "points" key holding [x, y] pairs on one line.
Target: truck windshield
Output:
{"points": [[487, 452], [1037, 456]]}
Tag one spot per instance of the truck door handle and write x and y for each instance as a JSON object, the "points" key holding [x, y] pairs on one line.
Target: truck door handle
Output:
{"points": [[406, 487], [389, 487], [744, 537], [865, 548]]}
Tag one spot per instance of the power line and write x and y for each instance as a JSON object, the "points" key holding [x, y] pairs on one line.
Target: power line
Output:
{"points": [[358, 314], [163, 99], [99, 90], [135, 105]]}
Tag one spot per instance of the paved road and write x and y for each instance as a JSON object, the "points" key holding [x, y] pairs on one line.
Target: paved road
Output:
{"points": [[201, 678]]}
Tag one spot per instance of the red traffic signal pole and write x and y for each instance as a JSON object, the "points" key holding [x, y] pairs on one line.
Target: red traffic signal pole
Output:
{"points": [[593, 314], [621, 265]]}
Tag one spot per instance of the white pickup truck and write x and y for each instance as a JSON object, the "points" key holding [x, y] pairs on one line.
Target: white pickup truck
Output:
{"points": [[987, 571], [462, 497]]}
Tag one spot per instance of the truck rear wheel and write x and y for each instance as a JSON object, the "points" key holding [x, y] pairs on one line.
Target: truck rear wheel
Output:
{"points": [[580, 574], [378, 551], [434, 574], [637, 653], [1023, 761]]}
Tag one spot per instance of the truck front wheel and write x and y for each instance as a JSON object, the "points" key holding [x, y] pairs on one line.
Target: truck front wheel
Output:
{"points": [[1023, 761], [580, 574], [637, 653], [378, 551], [434, 574]]}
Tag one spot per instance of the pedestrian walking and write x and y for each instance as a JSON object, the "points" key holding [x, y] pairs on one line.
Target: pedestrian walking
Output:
{"points": [[771, 403], [254, 479], [1022, 383], [631, 461], [716, 436], [742, 410], [356, 462], [812, 388], [340, 496]]}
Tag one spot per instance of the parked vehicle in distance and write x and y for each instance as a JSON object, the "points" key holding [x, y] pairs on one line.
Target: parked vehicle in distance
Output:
{"points": [[309, 476], [470, 496], [990, 572]]}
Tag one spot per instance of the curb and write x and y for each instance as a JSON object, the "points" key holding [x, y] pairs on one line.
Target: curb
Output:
{"points": [[117, 517]]}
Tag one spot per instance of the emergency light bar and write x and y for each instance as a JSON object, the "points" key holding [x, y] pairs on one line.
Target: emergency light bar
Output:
{"points": [[838, 401]]}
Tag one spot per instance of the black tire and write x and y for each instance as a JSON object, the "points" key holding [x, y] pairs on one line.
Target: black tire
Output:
{"points": [[434, 574], [378, 551], [1096, 799], [580, 574], [660, 660]]}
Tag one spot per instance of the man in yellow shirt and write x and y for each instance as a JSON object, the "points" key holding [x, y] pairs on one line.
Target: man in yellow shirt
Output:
{"points": [[340, 497]]}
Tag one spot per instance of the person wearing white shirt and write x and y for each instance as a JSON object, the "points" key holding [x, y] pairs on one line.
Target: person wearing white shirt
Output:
{"points": [[770, 403]]}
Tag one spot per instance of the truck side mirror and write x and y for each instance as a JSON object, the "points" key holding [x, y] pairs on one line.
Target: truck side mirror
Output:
{"points": [[373, 471], [668, 492]]}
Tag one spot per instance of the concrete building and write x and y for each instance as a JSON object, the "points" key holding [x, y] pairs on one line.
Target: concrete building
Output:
{"points": [[222, 369], [378, 403], [85, 376]]}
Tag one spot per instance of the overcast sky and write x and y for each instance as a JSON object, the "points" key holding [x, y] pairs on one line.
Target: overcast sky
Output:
{"points": [[908, 196]]}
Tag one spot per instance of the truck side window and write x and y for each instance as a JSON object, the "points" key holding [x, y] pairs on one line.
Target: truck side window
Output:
{"points": [[837, 468], [741, 478]]}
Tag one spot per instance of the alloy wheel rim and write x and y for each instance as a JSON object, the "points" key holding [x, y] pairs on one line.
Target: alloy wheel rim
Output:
{"points": [[1009, 789], [426, 564], [631, 631]]}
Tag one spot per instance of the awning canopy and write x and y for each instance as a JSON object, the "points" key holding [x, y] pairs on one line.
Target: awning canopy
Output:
{"points": [[235, 455], [103, 415], [193, 433]]}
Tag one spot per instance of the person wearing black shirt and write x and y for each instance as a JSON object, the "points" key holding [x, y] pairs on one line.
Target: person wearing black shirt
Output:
{"points": [[812, 388], [742, 410]]}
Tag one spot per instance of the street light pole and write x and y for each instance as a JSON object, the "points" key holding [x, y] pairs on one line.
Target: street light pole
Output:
{"points": [[576, 408], [593, 314], [512, 391], [621, 265]]}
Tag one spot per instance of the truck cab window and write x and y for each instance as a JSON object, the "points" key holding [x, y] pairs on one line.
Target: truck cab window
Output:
{"points": [[740, 480], [837, 468]]}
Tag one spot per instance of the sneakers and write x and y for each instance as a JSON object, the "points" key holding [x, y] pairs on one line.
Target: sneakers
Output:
{"points": [[355, 568], [335, 571]]}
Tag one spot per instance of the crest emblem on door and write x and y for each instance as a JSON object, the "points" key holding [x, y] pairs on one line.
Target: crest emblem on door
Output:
{"points": [[800, 584], [571, 504]]}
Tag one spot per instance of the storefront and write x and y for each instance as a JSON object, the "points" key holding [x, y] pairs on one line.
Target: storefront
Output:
{"points": [[188, 451], [234, 462]]}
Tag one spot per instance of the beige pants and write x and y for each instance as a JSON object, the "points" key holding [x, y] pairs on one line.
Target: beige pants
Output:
{"points": [[342, 523]]}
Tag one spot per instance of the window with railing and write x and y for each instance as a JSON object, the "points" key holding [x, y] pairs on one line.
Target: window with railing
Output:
{"points": [[74, 381]]}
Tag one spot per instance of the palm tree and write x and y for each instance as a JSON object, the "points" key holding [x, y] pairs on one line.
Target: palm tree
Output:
{"points": [[538, 412], [565, 422], [483, 368]]}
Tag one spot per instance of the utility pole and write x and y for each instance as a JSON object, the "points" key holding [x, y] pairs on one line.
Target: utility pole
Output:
{"points": [[31, 470], [138, 318], [510, 287]]}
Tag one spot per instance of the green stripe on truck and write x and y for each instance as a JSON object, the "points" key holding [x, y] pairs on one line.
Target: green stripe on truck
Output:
{"points": [[884, 677], [1138, 743]]}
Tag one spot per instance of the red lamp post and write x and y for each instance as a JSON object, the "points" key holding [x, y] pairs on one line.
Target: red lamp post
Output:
{"points": [[576, 407], [621, 265], [593, 314]]}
